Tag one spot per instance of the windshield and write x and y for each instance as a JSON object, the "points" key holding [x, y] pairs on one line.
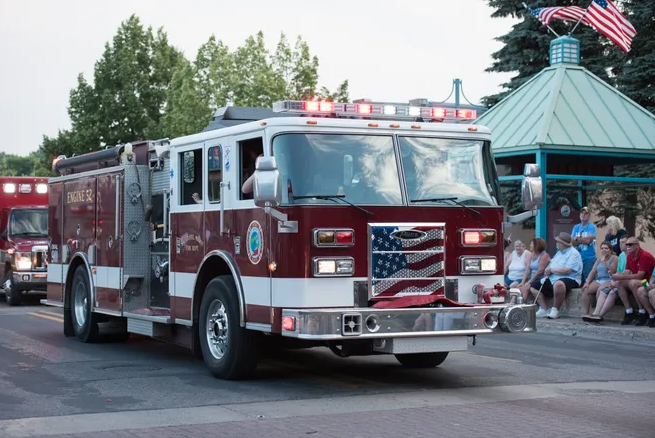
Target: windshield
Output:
{"points": [[360, 168], [33, 223], [437, 168]]}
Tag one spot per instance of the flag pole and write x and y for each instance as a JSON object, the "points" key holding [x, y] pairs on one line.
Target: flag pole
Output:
{"points": [[581, 18], [549, 28]]}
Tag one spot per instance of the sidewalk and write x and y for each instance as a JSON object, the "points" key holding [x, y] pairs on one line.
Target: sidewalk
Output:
{"points": [[570, 326]]}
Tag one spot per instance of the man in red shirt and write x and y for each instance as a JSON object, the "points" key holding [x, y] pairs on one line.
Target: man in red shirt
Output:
{"points": [[639, 266]]}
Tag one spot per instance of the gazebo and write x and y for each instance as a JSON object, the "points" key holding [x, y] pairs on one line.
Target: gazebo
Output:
{"points": [[575, 126]]}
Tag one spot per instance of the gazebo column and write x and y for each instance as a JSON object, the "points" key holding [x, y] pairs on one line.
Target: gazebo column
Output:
{"points": [[541, 221]]}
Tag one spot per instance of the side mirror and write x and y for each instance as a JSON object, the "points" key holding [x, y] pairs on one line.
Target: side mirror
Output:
{"points": [[267, 187], [532, 187], [347, 170]]}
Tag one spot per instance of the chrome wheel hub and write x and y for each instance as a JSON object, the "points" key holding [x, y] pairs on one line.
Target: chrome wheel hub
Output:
{"points": [[217, 329], [80, 304]]}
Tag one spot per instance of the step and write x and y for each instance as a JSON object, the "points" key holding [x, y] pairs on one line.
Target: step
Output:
{"points": [[572, 306]]}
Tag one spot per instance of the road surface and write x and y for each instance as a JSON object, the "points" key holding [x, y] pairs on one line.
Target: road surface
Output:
{"points": [[534, 384]]}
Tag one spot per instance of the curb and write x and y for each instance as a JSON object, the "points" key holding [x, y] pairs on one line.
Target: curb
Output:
{"points": [[571, 327]]}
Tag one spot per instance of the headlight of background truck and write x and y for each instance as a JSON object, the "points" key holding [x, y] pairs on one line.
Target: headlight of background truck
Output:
{"points": [[23, 261]]}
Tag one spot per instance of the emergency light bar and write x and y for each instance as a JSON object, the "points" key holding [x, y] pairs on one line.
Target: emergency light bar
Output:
{"points": [[373, 110]]}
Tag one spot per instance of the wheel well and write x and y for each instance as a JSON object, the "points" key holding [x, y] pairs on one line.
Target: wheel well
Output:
{"points": [[212, 268], [77, 261]]}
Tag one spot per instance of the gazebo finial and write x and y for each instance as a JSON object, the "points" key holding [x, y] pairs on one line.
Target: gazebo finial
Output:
{"points": [[565, 50]]}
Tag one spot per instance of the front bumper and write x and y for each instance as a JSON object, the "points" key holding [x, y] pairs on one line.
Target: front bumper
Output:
{"points": [[372, 323], [25, 280]]}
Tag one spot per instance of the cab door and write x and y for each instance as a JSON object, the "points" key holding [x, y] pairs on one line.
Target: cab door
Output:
{"points": [[252, 229], [108, 246]]}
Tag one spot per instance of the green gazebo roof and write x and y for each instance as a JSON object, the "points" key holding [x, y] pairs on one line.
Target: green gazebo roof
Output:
{"points": [[567, 107]]}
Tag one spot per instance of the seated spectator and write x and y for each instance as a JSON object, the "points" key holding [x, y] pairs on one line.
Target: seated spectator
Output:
{"points": [[600, 275], [607, 295], [516, 264], [615, 232], [562, 274], [646, 297], [639, 266], [535, 270]]}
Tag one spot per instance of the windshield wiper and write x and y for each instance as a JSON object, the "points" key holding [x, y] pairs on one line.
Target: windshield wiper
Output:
{"points": [[447, 199], [330, 198], [31, 233]]}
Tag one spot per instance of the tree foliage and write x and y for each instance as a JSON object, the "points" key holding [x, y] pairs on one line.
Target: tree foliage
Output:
{"points": [[143, 87], [526, 47]]}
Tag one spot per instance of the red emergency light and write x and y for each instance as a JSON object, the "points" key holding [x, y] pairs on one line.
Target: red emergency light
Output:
{"points": [[465, 113], [327, 107]]}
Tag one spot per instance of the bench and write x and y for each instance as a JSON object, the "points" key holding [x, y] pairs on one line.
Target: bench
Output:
{"points": [[572, 307]]}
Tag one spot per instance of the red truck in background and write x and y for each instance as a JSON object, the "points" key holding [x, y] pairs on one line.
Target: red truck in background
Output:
{"points": [[23, 235]]}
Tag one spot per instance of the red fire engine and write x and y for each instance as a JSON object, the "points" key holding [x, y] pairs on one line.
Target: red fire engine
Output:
{"points": [[366, 228], [24, 235]]}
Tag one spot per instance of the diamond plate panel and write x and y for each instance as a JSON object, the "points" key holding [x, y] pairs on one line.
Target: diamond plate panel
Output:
{"points": [[136, 238]]}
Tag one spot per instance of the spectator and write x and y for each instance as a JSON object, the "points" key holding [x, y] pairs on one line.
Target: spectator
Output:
{"points": [[615, 232], [535, 270], [516, 264], [646, 296], [639, 267], [562, 274], [584, 239], [600, 275], [623, 256]]}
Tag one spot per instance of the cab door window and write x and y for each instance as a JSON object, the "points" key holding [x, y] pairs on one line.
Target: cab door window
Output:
{"points": [[215, 174], [190, 171], [249, 150]]}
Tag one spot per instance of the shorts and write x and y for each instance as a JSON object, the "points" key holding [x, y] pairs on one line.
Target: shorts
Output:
{"points": [[508, 281], [547, 289]]}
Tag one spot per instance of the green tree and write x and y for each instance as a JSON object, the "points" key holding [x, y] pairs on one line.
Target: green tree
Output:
{"points": [[526, 47], [636, 74], [128, 95]]}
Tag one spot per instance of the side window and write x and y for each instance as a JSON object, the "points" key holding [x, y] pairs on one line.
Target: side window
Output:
{"points": [[190, 172], [215, 174], [249, 150]]}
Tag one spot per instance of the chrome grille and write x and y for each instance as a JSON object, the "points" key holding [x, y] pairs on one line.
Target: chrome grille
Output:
{"points": [[39, 258], [406, 259]]}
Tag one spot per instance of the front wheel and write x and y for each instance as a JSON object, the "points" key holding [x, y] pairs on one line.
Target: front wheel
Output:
{"points": [[12, 295], [85, 322], [422, 360], [229, 350]]}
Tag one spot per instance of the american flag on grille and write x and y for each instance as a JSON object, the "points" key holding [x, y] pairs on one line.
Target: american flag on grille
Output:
{"points": [[407, 267], [564, 13]]}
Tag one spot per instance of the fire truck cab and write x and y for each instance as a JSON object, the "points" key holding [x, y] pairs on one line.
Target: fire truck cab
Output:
{"points": [[367, 228], [23, 235]]}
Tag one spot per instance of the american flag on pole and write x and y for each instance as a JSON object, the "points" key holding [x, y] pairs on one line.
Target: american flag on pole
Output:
{"points": [[564, 13], [608, 20], [401, 267]]}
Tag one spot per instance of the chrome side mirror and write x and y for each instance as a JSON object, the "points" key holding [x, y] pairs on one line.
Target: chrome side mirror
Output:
{"points": [[267, 187], [532, 187]]}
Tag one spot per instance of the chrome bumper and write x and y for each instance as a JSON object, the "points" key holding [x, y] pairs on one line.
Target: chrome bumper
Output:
{"points": [[27, 280], [371, 323]]}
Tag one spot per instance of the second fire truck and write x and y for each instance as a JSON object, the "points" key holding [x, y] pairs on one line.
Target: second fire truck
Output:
{"points": [[366, 228], [23, 235]]}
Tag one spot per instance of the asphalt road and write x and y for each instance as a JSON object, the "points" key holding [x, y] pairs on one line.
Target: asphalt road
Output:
{"points": [[44, 374]]}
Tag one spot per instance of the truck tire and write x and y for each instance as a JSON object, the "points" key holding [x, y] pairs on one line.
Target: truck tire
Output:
{"points": [[422, 360], [230, 351], [85, 322], [13, 296]]}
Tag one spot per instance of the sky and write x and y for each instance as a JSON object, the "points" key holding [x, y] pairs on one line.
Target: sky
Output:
{"points": [[388, 50]]}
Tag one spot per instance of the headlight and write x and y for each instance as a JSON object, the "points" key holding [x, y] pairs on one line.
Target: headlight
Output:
{"points": [[333, 267], [23, 261], [477, 265]]}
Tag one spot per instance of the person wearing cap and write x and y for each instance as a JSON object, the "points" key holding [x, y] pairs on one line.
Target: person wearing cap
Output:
{"points": [[584, 240], [563, 273], [639, 267]]}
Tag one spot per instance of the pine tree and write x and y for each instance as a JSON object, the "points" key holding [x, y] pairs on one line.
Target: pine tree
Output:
{"points": [[636, 75], [526, 46]]}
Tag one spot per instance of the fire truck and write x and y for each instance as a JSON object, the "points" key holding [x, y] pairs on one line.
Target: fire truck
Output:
{"points": [[365, 228], [24, 235]]}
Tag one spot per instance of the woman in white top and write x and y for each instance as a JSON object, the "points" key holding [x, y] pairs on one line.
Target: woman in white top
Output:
{"points": [[516, 264]]}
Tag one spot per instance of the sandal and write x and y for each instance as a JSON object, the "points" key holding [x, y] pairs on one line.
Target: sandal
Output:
{"points": [[592, 318]]}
